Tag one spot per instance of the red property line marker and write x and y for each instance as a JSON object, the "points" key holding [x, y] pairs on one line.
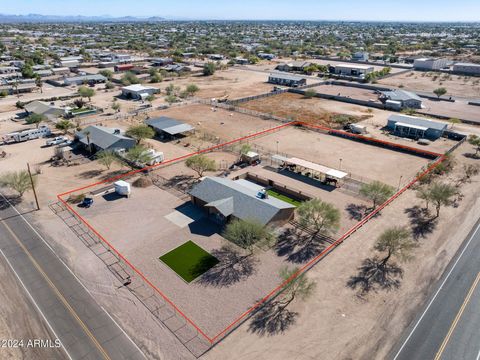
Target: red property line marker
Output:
{"points": [[302, 269]]}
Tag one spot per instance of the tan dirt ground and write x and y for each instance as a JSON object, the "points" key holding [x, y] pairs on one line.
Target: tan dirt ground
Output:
{"points": [[334, 323], [421, 81], [297, 107]]}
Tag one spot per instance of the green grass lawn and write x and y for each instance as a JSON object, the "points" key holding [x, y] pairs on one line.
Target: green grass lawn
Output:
{"points": [[189, 261], [285, 198]]}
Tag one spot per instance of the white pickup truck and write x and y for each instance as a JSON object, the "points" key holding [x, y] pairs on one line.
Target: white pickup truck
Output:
{"points": [[56, 141]]}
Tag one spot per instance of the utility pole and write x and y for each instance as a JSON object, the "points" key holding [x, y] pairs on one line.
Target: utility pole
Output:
{"points": [[33, 186]]}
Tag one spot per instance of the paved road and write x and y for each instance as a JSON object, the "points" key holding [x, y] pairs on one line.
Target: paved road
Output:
{"points": [[84, 328], [448, 326]]}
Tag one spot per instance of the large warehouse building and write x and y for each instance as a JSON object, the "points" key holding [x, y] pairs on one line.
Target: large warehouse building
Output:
{"points": [[467, 69], [430, 63]]}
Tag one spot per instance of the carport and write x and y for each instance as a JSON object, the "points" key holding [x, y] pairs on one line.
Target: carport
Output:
{"points": [[167, 127], [310, 169]]}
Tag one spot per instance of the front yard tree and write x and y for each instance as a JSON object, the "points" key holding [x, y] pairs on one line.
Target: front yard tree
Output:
{"points": [[17, 180], [209, 69], [200, 164], [297, 286], [247, 233], [64, 125], [475, 141], [138, 155], [106, 158], [35, 119], [192, 89], [377, 192], [86, 92], [440, 194], [440, 91], [395, 242], [140, 132], [319, 216]]}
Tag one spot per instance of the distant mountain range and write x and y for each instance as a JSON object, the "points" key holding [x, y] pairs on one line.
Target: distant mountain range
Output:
{"points": [[38, 18]]}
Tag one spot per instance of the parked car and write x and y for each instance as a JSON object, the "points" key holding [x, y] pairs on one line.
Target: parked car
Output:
{"points": [[86, 203], [56, 141]]}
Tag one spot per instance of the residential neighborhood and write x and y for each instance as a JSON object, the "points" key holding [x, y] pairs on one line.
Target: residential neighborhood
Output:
{"points": [[219, 181]]}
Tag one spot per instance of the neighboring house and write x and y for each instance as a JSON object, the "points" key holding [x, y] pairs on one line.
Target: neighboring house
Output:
{"points": [[20, 88], [161, 61], [61, 71], [216, 57], [241, 61], [360, 56], [286, 80], [167, 127], [429, 63], [84, 79], [415, 127], [43, 108], [138, 92], [294, 66], [176, 68], [467, 69], [103, 138], [401, 99], [43, 73], [225, 199], [351, 70]]}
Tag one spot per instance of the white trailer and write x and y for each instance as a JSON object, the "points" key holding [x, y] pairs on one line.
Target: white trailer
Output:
{"points": [[122, 188], [31, 134]]}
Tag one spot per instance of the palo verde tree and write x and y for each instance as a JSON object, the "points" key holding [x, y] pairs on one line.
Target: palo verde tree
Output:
{"points": [[86, 92], [140, 132], [138, 156], [377, 192], [17, 180], [192, 89], [319, 216], [209, 69], [395, 242], [439, 194], [106, 158], [64, 125], [35, 119], [297, 286], [200, 164], [309, 93], [475, 141], [248, 233], [440, 91]]}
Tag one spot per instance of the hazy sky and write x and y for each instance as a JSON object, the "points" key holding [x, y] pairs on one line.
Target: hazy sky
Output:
{"points": [[415, 10]]}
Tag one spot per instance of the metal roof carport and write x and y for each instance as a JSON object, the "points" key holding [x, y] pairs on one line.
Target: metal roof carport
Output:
{"points": [[169, 126], [337, 174]]}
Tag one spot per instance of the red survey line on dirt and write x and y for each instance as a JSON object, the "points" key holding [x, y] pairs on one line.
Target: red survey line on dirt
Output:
{"points": [[329, 248], [302, 269]]}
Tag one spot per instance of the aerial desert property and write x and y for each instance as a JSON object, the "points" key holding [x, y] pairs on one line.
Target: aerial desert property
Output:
{"points": [[209, 186]]}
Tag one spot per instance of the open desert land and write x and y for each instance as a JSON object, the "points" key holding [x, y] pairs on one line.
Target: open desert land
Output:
{"points": [[459, 109], [461, 86], [297, 107], [347, 91], [366, 325], [222, 124], [234, 83]]}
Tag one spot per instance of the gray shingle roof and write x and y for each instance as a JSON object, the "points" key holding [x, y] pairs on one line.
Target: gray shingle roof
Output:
{"points": [[169, 125], [244, 204], [104, 137], [413, 120]]}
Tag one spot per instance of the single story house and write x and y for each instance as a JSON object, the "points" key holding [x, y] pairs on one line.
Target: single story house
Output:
{"points": [[103, 138], [167, 127], [266, 56], [294, 66], [225, 199], [360, 56], [415, 127], [84, 79], [402, 99], [44, 108], [351, 69], [286, 80], [176, 68], [138, 92], [20, 88], [161, 61]]}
